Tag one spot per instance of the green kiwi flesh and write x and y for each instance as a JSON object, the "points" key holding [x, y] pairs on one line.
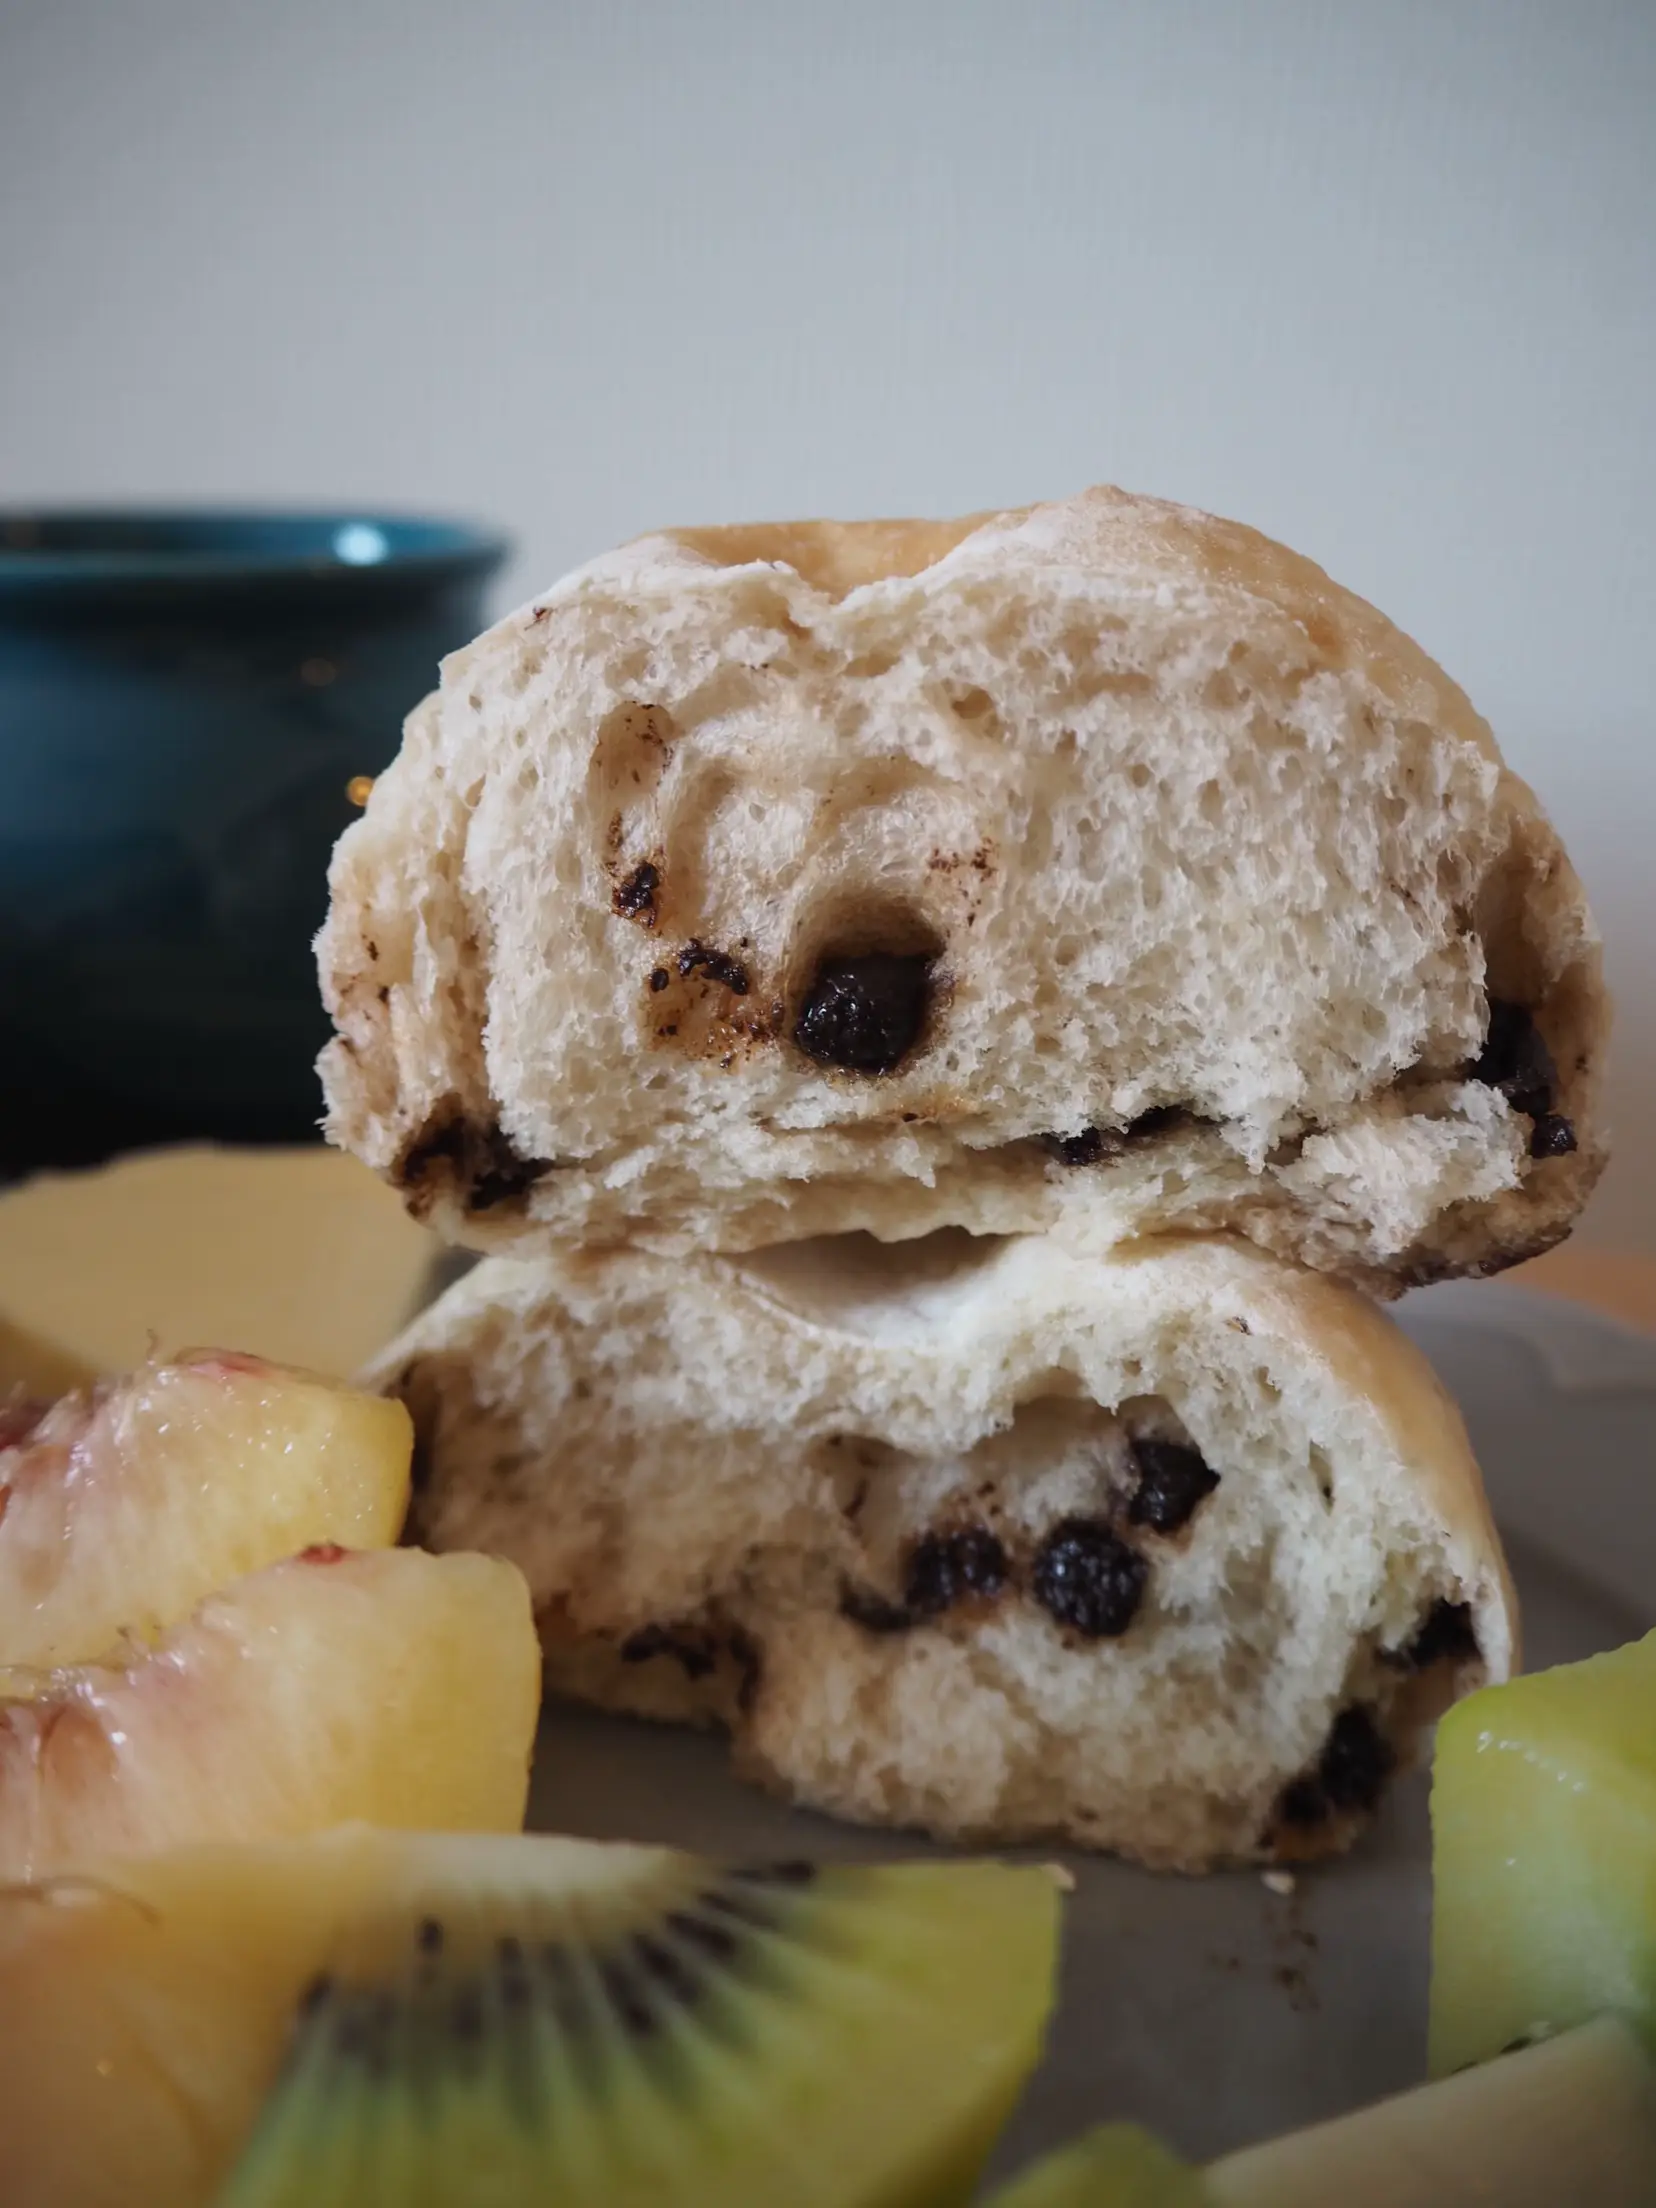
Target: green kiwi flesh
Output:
{"points": [[667, 2032], [1116, 2166]]}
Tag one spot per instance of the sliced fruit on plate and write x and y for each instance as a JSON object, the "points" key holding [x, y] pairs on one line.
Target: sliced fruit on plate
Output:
{"points": [[1544, 1857], [122, 1506], [514, 2021], [1571, 2121], [1116, 2166], [391, 1686]]}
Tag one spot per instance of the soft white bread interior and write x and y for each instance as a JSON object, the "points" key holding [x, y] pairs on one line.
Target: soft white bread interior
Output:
{"points": [[1098, 864], [1173, 1550]]}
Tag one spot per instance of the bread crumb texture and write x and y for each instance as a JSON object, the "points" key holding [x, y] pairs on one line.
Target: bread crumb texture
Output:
{"points": [[1099, 866], [1173, 1551]]}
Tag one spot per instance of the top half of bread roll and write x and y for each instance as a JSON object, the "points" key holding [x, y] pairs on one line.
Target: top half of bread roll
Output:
{"points": [[1097, 865]]}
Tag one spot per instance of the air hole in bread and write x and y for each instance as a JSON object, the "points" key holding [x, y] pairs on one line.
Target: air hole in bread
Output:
{"points": [[860, 1284], [969, 703], [1515, 1059], [1447, 1635], [631, 750], [1322, 1471], [1095, 1145]]}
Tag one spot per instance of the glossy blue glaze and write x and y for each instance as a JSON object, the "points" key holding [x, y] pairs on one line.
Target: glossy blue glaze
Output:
{"points": [[183, 699]]}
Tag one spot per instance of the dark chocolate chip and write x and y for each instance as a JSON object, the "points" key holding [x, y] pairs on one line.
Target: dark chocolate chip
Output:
{"points": [[1094, 1144], [865, 1014], [1356, 1761], [718, 965], [1447, 1633], [635, 898], [1552, 1136], [945, 1568], [659, 978], [1515, 1060], [1303, 1803], [864, 1607], [688, 1650], [1090, 1147], [1173, 1479], [1088, 1578]]}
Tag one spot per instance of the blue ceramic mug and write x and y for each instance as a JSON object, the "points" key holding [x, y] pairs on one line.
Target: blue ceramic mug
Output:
{"points": [[184, 701]]}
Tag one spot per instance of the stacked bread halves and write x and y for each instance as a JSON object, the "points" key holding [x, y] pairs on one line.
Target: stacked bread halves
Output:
{"points": [[947, 1033]]}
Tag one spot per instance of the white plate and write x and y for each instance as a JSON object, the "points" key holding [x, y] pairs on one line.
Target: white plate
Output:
{"points": [[1212, 2009]]}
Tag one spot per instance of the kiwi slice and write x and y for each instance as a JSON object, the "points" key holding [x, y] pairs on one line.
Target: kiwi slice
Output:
{"points": [[1116, 2166], [638, 2026]]}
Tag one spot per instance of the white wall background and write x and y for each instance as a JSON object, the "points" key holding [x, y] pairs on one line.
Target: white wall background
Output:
{"points": [[1379, 278]]}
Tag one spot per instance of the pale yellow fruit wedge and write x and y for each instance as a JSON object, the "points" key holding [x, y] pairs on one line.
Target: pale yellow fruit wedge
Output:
{"points": [[121, 1508], [390, 1686], [143, 2012], [301, 1254], [547, 2021]]}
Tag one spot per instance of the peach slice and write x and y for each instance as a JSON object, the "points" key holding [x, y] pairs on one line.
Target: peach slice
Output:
{"points": [[392, 1687], [122, 1506]]}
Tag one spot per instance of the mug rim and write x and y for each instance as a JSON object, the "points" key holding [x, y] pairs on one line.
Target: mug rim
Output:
{"points": [[339, 547]]}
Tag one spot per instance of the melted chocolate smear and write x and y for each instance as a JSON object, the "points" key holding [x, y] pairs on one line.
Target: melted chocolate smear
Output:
{"points": [[499, 1175], [946, 1568], [1089, 1579], [635, 898], [864, 1015], [699, 957], [1173, 1480], [477, 1155]]}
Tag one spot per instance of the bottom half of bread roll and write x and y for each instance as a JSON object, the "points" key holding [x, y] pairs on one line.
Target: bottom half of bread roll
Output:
{"points": [[1175, 1551]]}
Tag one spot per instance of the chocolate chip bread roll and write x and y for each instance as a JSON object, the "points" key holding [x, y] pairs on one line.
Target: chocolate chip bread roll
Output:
{"points": [[1172, 1551], [1097, 866]]}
